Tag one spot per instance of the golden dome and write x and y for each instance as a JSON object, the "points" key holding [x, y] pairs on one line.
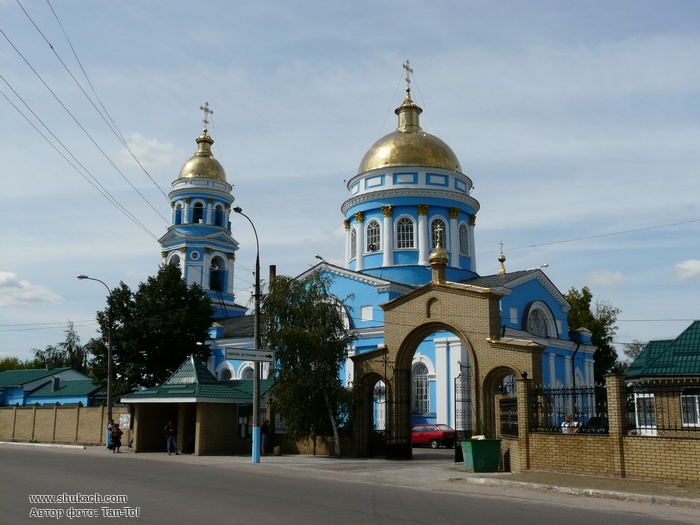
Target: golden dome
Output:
{"points": [[409, 145], [203, 165]]}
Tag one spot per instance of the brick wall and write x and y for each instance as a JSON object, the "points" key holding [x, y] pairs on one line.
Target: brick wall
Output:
{"points": [[54, 424]]}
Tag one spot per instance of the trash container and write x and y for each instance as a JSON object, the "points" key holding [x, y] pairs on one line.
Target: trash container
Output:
{"points": [[481, 455]]}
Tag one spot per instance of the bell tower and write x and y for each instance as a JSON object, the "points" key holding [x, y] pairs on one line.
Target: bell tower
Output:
{"points": [[199, 240]]}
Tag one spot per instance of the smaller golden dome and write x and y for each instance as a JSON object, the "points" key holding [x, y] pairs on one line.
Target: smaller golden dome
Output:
{"points": [[439, 256], [203, 165]]}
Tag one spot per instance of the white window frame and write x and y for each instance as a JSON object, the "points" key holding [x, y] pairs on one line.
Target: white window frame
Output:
{"points": [[373, 236], [420, 398], [405, 240]]}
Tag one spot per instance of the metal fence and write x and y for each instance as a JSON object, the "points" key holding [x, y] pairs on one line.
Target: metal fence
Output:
{"points": [[663, 408], [586, 406]]}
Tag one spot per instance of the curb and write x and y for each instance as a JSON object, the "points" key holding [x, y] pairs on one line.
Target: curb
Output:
{"points": [[55, 445], [593, 493]]}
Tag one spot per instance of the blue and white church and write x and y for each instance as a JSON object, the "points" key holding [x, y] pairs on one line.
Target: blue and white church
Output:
{"points": [[436, 342]]}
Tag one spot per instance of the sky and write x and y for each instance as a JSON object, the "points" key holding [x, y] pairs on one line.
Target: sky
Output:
{"points": [[578, 122]]}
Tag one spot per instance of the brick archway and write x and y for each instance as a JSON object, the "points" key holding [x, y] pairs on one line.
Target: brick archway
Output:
{"points": [[473, 315]]}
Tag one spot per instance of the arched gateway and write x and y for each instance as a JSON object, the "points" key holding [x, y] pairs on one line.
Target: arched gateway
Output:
{"points": [[473, 315]]}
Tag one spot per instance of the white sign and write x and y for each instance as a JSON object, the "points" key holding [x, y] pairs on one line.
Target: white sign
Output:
{"points": [[243, 354]]}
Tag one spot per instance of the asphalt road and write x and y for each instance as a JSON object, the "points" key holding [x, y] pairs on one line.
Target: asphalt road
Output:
{"points": [[173, 490]]}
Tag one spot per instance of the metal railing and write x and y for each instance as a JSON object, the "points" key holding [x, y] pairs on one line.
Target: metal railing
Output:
{"points": [[586, 405]]}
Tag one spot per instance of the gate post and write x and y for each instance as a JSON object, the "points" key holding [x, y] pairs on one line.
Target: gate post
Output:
{"points": [[520, 462], [617, 418]]}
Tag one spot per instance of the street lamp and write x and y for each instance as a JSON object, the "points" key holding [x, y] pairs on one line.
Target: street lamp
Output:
{"points": [[109, 343], [256, 345]]}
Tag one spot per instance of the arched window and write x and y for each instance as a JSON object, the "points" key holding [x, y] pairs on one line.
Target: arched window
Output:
{"points": [[539, 320], [421, 392], [178, 213], [198, 213], [219, 215], [353, 243], [217, 274], [373, 236], [463, 239], [248, 373], [404, 233], [225, 375], [444, 238]]}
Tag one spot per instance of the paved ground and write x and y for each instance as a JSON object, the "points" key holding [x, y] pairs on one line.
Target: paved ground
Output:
{"points": [[428, 467]]}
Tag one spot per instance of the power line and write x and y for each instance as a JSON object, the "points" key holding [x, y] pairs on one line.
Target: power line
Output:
{"points": [[589, 237]]}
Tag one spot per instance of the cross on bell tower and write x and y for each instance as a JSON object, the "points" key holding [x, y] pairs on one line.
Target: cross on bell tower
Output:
{"points": [[207, 112], [408, 69]]}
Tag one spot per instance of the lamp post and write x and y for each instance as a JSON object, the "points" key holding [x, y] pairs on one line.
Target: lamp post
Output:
{"points": [[256, 345], [109, 343]]}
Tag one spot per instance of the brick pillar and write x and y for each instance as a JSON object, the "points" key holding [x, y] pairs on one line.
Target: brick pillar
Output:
{"points": [[520, 462], [617, 418]]}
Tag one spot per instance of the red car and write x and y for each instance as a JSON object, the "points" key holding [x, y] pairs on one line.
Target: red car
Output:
{"points": [[434, 435]]}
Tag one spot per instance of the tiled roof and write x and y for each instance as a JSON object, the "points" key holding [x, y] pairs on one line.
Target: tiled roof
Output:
{"points": [[493, 281], [194, 381], [677, 357], [66, 388], [241, 326], [190, 372], [21, 377]]}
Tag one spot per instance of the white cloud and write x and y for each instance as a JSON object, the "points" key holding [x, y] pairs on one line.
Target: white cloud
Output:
{"points": [[606, 278], [16, 292], [150, 152], [688, 270]]}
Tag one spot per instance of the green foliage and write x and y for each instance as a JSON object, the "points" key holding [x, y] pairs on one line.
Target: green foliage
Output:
{"points": [[600, 320], [153, 330], [305, 326], [69, 353], [14, 363]]}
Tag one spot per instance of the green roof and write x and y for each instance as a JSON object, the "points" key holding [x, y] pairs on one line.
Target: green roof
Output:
{"points": [[192, 382], [66, 388], [22, 377], [669, 358]]}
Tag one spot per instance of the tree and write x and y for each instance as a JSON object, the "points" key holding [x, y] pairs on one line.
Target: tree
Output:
{"points": [[153, 330], [600, 320], [633, 349], [13, 363], [306, 327], [69, 353]]}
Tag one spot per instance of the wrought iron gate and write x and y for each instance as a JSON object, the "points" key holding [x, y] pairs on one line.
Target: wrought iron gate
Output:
{"points": [[398, 410], [463, 402]]}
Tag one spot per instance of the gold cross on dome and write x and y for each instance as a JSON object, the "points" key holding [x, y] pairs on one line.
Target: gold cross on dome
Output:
{"points": [[207, 112], [408, 69], [438, 234]]}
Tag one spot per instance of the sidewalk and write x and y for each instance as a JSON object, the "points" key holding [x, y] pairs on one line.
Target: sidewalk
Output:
{"points": [[419, 472]]}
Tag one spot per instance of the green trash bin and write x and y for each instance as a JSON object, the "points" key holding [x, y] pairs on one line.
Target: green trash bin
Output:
{"points": [[481, 455]]}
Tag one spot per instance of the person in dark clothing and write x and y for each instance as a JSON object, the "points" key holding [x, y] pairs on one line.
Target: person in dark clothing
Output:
{"points": [[171, 437], [264, 437], [116, 438]]}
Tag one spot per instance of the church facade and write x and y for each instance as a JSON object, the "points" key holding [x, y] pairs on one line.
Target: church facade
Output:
{"points": [[436, 342]]}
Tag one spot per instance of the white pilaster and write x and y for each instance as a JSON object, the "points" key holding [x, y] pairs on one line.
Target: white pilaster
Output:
{"points": [[442, 410], [388, 241], [454, 242], [423, 245], [552, 369]]}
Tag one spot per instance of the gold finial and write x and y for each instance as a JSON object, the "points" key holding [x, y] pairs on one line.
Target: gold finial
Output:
{"points": [[438, 259], [207, 112], [408, 78], [502, 260]]}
